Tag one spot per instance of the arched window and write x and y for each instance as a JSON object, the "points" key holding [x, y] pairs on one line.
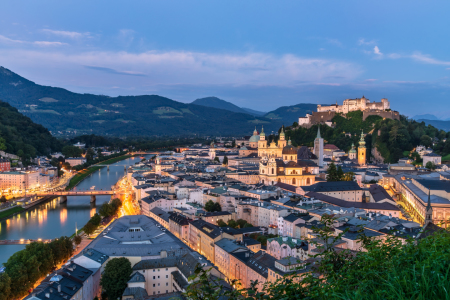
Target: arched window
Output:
{"points": [[293, 181], [291, 157], [279, 180], [308, 181], [273, 171]]}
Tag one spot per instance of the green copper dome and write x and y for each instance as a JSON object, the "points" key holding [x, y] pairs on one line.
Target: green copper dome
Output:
{"points": [[262, 132]]}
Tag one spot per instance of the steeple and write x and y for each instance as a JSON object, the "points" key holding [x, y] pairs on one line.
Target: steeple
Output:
{"points": [[289, 142], [318, 133], [262, 131], [362, 142], [255, 132], [429, 210], [282, 131]]}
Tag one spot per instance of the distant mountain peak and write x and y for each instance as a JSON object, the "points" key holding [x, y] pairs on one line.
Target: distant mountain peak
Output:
{"points": [[219, 103], [425, 117]]}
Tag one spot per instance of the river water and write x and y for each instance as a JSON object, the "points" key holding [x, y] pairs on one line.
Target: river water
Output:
{"points": [[54, 219]]}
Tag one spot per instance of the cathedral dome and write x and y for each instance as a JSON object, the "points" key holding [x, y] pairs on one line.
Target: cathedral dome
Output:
{"points": [[254, 139], [289, 150]]}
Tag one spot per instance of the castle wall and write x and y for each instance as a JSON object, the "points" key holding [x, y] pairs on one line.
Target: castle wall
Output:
{"points": [[395, 115]]}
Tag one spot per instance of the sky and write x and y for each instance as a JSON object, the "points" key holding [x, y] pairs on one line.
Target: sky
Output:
{"points": [[254, 53]]}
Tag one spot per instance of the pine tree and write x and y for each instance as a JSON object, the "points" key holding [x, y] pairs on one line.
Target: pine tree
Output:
{"points": [[332, 172]]}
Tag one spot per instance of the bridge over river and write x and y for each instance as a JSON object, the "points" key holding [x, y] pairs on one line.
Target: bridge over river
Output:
{"points": [[23, 241], [64, 194]]}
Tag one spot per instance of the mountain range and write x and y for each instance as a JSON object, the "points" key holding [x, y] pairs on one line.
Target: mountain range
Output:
{"points": [[60, 110]]}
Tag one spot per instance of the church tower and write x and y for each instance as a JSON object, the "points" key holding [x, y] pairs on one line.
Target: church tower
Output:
{"points": [[212, 151], [158, 166], [262, 144], [282, 140], [362, 150], [352, 152], [318, 148], [428, 211]]}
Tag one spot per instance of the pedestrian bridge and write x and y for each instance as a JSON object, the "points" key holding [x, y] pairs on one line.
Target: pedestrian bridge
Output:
{"points": [[65, 194]]}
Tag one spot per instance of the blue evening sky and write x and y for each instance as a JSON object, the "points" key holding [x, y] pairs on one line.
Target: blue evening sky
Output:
{"points": [[257, 54]]}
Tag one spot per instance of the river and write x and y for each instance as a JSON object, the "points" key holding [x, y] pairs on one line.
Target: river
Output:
{"points": [[54, 219]]}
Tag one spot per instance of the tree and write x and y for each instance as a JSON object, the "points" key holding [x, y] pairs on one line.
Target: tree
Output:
{"points": [[247, 225], [90, 154], [115, 277], [89, 228], [2, 144], [225, 160], [96, 219], [425, 140], [116, 204], [106, 210], [241, 223], [332, 173], [77, 240], [5, 286], [340, 173], [430, 165], [71, 151], [217, 207], [349, 176], [232, 223], [209, 206], [221, 223], [3, 199], [216, 159]]}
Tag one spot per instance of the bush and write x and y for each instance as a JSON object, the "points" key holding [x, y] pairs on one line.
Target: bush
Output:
{"points": [[115, 277]]}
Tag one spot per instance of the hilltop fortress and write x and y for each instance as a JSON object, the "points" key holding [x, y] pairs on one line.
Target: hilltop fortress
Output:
{"points": [[325, 114]]}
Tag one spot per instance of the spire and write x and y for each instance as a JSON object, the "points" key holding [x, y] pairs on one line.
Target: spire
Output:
{"points": [[282, 130], [262, 131], [289, 142], [255, 132], [318, 133], [429, 210]]}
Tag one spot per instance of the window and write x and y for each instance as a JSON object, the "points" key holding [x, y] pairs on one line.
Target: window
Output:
{"points": [[153, 285], [167, 276], [159, 284], [167, 284]]}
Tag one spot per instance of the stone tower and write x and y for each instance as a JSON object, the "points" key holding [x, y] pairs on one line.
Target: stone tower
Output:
{"points": [[362, 150], [158, 166], [429, 211], [212, 151], [352, 152], [318, 148], [282, 141]]}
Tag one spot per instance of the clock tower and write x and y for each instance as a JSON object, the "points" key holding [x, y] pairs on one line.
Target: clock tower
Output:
{"points": [[362, 150]]}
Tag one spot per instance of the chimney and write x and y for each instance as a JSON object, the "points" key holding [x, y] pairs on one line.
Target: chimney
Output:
{"points": [[59, 288]]}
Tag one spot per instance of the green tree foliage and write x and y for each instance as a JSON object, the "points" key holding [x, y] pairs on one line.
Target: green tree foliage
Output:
{"points": [[96, 219], [90, 154], [24, 268], [77, 240], [332, 174], [5, 286], [71, 151], [105, 210], [232, 223], [247, 225], [430, 165], [115, 277], [241, 222], [225, 160], [18, 132], [426, 140], [212, 206], [89, 228], [3, 199], [216, 159], [349, 176], [388, 269], [340, 173], [221, 223], [116, 204]]}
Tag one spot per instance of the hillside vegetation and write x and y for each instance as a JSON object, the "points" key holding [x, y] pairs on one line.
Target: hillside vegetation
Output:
{"points": [[149, 115], [21, 136], [391, 137]]}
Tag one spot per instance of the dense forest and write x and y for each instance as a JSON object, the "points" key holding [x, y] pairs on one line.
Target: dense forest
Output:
{"points": [[392, 138], [20, 136]]}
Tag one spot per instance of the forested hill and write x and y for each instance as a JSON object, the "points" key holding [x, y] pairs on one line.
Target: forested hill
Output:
{"points": [[20, 136], [391, 137], [61, 110]]}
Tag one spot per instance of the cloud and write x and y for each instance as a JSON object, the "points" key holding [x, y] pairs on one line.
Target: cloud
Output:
{"points": [[364, 42], [66, 34], [6, 40], [377, 51], [370, 80], [417, 56], [112, 71], [184, 67]]}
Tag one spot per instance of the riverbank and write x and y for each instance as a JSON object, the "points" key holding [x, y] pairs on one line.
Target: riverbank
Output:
{"points": [[114, 160], [81, 176], [12, 211]]}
